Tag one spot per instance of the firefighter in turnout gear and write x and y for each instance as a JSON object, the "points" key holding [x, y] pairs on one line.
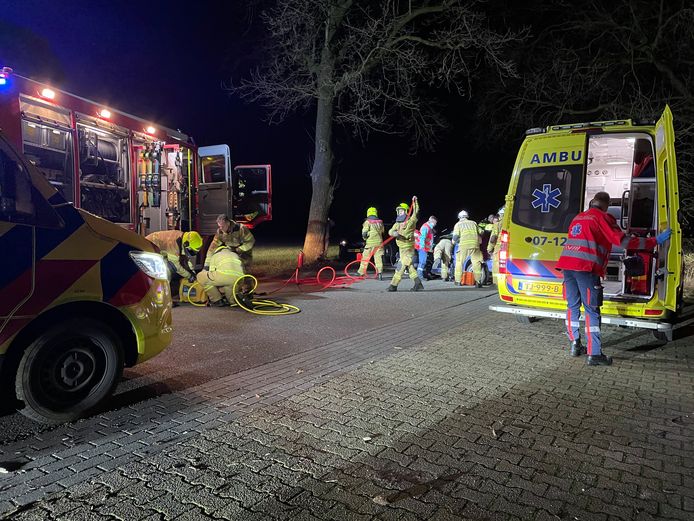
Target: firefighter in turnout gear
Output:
{"points": [[179, 250], [218, 280], [468, 240], [583, 261], [236, 236], [403, 231], [372, 232], [494, 245], [444, 252]]}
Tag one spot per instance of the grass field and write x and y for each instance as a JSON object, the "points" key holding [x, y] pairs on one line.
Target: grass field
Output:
{"points": [[277, 260], [689, 270]]}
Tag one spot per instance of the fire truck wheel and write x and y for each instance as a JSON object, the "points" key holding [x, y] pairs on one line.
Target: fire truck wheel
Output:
{"points": [[68, 369]]}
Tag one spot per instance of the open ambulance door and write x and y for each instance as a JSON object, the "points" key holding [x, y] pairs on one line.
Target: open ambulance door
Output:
{"points": [[669, 268], [214, 186], [252, 189]]}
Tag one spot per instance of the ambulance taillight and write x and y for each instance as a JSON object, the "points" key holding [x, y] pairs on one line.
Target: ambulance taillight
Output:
{"points": [[503, 252]]}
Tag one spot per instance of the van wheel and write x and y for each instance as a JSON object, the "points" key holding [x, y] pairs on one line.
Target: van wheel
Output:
{"points": [[662, 336], [525, 319], [67, 370]]}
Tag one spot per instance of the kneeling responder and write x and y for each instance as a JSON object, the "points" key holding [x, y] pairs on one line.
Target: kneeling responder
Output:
{"points": [[372, 233], [236, 236], [179, 249], [403, 231], [583, 261], [443, 252], [424, 244], [218, 280], [468, 240]]}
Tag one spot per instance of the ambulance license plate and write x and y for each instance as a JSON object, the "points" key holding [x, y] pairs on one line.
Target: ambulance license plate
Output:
{"points": [[541, 287]]}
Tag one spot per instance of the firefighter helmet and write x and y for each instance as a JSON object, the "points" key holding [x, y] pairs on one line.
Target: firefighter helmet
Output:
{"points": [[192, 241], [463, 214], [372, 211], [402, 206]]}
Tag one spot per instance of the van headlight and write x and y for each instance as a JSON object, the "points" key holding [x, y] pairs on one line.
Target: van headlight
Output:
{"points": [[152, 264]]}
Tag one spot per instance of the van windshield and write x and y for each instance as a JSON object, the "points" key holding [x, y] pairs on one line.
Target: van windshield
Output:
{"points": [[548, 197]]}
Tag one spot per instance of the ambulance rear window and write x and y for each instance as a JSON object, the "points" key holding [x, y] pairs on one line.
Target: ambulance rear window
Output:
{"points": [[548, 197]]}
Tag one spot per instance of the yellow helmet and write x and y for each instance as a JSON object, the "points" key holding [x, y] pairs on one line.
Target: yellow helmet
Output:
{"points": [[404, 206], [372, 211], [192, 241]]}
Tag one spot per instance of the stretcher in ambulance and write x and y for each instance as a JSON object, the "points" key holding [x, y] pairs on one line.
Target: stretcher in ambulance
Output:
{"points": [[557, 172]]}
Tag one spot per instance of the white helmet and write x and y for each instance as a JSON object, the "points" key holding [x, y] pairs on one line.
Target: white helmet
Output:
{"points": [[462, 214], [501, 210]]}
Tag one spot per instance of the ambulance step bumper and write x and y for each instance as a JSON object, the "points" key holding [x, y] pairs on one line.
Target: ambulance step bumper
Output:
{"points": [[605, 319]]}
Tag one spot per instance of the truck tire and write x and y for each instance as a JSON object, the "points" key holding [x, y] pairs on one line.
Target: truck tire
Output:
{"points": [[522, 319], [67, 370]]}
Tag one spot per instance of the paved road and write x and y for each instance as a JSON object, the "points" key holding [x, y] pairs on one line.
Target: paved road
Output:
{"points": [[373, 405]]}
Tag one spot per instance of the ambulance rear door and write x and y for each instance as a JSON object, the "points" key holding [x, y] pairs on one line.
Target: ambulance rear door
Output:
{"points": [[252, 194], [214, 187], [669, 268], [547, 196]]}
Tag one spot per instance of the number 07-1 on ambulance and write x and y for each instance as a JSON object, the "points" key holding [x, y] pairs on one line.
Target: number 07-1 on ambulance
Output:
{"points": [[557, 172]]}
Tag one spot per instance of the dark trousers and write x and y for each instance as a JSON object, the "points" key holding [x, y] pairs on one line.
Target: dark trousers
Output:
{"points": [[582, 287]]}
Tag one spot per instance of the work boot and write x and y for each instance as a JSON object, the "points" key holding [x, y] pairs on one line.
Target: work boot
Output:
{"points": [[457, 284], [599, 360], [418, 286], [392, 288], [380, 276], [577, 349], [479, 285]]}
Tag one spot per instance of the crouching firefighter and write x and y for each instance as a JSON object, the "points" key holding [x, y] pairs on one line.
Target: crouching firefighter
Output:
{"points": [[403, 231], [179, 249], [225, 268], [372, 233]]}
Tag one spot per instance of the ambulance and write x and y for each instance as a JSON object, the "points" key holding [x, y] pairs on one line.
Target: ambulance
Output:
{"points": [[129, 170], [80, 298], [556, 174]]}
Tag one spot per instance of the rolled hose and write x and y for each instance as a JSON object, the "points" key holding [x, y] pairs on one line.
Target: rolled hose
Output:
{"points": [[264, 307]]}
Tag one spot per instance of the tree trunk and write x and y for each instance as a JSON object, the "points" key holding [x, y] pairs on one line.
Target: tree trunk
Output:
{"points": [[321, 183]]}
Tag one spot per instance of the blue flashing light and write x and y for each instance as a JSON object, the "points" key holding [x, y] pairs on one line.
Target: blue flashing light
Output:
{"points": [[3, 81]]}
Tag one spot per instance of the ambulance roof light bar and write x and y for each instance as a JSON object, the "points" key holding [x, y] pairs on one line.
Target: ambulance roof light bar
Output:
{"points": [[599, 124]]}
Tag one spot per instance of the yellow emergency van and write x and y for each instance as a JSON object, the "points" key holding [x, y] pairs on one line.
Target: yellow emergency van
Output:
{"points": [[80, 298], [557, 172]]}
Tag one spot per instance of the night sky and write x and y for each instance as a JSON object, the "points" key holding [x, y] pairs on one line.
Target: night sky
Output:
{"points": [[167, 61]]}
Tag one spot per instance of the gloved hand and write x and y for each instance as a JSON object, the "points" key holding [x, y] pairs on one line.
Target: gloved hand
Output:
{"points": [[414, 197], [191, 278], [663, 236]]}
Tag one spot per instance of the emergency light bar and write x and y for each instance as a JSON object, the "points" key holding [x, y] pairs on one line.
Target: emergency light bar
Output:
{"points": [[4, 75], [620, 122]]}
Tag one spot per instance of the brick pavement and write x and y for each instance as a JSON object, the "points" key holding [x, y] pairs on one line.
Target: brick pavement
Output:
{"points": [[460, 414]]}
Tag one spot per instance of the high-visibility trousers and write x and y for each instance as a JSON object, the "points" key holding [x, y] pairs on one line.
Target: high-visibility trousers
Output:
{"points": [[217, 284], [406, 256], [371, 254], [475, 257], [445, 259]]}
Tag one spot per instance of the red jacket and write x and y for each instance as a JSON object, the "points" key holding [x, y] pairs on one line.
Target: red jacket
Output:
{"points": [[591, 236], [428, 234]]}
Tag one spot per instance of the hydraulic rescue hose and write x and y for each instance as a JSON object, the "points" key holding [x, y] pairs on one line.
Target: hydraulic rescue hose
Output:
{"points": [[256, 306]]}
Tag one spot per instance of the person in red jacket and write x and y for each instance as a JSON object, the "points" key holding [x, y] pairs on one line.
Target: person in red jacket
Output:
{"points": [[583, 261]]}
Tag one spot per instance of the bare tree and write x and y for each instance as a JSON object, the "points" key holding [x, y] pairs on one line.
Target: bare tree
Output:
{"points": [[608, 60], [362, 63]]}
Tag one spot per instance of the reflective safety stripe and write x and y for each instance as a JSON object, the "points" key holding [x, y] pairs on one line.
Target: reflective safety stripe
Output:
{"points": [[572, 323], [593, 329], [585, 243], [583, 256]]}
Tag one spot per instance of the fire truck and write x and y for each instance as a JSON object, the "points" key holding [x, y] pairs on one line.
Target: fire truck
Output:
{"points": [[126, 169]]}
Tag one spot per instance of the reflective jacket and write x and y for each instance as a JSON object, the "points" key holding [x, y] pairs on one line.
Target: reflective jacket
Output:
{"points": [[226, 262], [424, 238], [242, 240], [465, 234], [170, 246], [406, 229], [372, 231], [591, 236]]}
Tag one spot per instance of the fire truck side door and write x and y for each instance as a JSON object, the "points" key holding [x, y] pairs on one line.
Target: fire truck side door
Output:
{"points": [[214, 187], [252, 203], [669, 254]]}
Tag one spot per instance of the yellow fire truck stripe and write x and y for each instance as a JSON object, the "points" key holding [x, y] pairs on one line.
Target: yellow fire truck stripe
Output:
{"points": [[84, 244]]}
